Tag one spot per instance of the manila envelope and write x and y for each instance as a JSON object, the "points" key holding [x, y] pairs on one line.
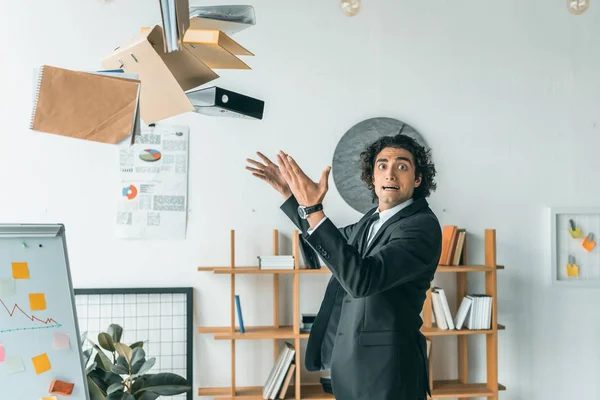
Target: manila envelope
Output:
{"points": [[164, 76], [85, 105]]}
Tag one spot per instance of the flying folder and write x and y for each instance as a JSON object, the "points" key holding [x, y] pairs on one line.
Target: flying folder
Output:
{"points": [[100, 107], [175, 21], [165, 76]]}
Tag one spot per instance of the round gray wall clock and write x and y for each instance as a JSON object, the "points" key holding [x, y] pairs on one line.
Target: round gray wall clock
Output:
{"points": [[345, 167]]}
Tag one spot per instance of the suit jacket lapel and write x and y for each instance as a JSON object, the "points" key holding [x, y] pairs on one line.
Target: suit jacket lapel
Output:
{"points": [[416, 206], [358, 238]]}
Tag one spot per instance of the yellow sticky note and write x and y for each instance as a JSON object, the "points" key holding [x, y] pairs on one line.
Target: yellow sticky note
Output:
{"points": [[37, 301], [572, 270], [20, 270], [41, 363], [49, 398]]}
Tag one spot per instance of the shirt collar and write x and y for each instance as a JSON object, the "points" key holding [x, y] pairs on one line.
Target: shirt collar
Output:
{"points": [[387, 214]]}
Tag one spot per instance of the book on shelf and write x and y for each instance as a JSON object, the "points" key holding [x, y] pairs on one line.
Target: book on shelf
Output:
{"points": [[273, 387], [238, 306], [276, 262], [474, 312], [453, 241]]}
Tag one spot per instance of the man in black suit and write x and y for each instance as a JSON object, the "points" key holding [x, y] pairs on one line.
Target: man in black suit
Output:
{"points": [[367, 329]]}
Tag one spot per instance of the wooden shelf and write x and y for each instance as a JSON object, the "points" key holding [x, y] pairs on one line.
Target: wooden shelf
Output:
{"points": [[252, 332], [435, 331], [453, 389], [307, 391], [441, 390], [257, 270], [467, 268], [325, 270]]}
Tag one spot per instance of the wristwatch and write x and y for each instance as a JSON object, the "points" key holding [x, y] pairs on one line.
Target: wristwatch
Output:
{"points": [[304, 211]]}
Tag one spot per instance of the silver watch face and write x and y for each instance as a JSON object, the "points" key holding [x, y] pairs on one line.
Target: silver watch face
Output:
{"points": [[302, 212]]}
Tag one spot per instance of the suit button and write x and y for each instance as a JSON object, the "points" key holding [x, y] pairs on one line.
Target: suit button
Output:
{"points": [[319, 247]]}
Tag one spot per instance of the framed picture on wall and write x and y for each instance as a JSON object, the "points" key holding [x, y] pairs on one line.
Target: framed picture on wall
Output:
{"points": [[574, 244]]}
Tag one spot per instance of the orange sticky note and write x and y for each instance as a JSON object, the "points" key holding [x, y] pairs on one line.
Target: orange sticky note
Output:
{"points": [[41, 363], [20, 270], [37, 301]]}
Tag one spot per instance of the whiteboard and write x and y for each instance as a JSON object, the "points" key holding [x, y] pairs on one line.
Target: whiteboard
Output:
{"points": [[39, 335]]}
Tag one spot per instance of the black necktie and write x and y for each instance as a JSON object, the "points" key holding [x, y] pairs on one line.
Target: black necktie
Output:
{"points": [[372, 219]]}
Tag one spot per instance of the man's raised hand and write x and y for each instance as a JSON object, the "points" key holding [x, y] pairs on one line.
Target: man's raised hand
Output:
{"points": [[270, 173]]}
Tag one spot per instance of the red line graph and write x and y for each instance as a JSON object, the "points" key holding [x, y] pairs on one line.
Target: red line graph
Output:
{"points": [[30, 317]]}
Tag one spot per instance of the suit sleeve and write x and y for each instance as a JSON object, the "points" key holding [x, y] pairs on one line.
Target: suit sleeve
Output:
{"points": [[290, 208], [412, 251]]}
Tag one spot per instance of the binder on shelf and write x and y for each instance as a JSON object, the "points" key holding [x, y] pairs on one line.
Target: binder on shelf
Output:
{"points": [[175, 21], [165, 77], [238, 306], [217, 101], [100, 107]]}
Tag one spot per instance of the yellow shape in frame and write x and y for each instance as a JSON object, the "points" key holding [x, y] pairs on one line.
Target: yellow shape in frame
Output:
{"points": [[37, 301], [20, 270], [41, 363], [576, 234], [50, 398], [572, 270]]}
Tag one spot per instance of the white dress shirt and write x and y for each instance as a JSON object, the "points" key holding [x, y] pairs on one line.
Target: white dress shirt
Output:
{"points": [[384, 216]]}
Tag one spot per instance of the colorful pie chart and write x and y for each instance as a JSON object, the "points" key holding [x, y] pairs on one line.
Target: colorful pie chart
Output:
{"points": [[130, 192], [150, 155]]}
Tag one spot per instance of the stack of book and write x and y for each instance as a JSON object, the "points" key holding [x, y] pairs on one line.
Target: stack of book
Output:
{"points": [[276, 262], [281, 374], [475, 311], [453, 242]]}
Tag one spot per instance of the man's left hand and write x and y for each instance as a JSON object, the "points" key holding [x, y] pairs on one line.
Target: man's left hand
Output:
{"points": [[306, 192]]}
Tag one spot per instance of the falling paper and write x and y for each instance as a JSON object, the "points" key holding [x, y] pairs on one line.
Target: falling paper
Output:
{"points": [[7, 287], [1, 352], [37, 301], [61, 341], [49, 398], [15, 364], [41, 363], [20, 270]]}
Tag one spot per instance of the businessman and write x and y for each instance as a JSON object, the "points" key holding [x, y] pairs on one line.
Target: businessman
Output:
{"points": [[367, 330]]}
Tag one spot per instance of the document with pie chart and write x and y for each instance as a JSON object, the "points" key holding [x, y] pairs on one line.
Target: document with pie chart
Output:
{"points": [[152, 198]]}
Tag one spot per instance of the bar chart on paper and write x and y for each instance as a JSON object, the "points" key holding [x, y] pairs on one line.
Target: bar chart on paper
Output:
{"points": [[39, 336]]}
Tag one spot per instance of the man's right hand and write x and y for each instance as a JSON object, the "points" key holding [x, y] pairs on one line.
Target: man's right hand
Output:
{"points": [[270, 173]]}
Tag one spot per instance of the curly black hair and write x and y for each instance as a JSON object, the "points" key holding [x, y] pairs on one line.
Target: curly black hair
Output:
{"points": [[424, 165]]}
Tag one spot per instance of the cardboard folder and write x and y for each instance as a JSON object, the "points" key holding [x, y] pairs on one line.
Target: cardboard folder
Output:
{"points": [[215, 49], [85, 105], [165, 76]]}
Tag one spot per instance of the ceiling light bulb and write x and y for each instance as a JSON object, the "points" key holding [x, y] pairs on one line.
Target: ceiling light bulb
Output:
{"points": [[350, 7], [578, 6]]}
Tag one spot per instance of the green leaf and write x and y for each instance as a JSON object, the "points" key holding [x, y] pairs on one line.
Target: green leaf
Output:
{"points": [[106, 342], [116, 332], [115, 387], [137, 344], [138, 358], [145, 367], [147, 396], [164, 384], [103, 361], [121, 367], [95, 392], [104, 379], [120, 396], [124, 351]]}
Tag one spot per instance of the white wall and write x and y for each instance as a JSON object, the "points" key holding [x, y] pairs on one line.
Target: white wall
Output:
{"points": [[505, 92]]}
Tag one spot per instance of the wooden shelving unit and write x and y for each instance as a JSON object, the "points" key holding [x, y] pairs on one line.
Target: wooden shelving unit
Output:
{"points": [[460, 388]]}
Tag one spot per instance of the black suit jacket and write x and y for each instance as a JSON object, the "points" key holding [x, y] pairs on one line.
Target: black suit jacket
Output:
{"points": [[368, 325]]}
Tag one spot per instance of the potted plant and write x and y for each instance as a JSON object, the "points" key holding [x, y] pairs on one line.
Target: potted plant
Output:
{"points": [[116, 371]]}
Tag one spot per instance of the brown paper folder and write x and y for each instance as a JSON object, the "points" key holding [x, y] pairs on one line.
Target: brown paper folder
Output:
{"points": [[165, 76], [85, 105], [215, 49]]}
